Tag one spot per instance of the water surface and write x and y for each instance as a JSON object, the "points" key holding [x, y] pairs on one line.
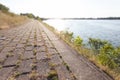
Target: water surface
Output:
{"points": [[103, 29]]}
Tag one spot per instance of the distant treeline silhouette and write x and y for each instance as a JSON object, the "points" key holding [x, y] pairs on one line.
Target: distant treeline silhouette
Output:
{"points": [[30, 15], [3, 8], [102, 18]]}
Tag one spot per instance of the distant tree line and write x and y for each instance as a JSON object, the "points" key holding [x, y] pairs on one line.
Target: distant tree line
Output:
{"points": [[30, 15], [108, 18], [100, 18], [3, 8]]}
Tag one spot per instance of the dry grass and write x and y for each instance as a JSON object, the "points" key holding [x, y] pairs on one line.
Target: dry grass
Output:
{"points": [[8, 20]]}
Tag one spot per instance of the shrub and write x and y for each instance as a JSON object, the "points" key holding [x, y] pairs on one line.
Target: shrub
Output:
{"points": [[30, 15], [117, 56], [67, 35], [107, 56], [96, 44], [78, 41]]}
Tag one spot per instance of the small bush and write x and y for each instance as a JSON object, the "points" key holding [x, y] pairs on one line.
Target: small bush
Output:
{"points": [[107, 56], [67, 35], [78, 41], [96, 44]]}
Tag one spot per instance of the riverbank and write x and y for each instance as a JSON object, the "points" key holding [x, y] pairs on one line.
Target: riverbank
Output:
{"points": [[89, 54]]}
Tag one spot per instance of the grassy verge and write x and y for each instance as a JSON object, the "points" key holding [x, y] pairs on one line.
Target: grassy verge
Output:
{"points": [[8, 20], [89, 54]]}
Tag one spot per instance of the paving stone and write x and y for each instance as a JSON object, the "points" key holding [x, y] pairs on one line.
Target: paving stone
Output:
{"points": [[23, 41], [25, 66], [2, 38], [28, 54], [19, 50], [56, 59], [41, 55], [41, 49], [23, 77], [63, 73], [20, 46], [1, 41], [3, 56], [41, 43], [7, 49], [29, 48], [11, 60], [49, 45], [4, 73], [43, 68], [1, 47], [30, 44], [16, 40], [8, 39], [11, 44], [52, 51]]}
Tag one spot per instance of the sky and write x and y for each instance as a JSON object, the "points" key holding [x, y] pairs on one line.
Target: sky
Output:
{"points": [[65, 8]]}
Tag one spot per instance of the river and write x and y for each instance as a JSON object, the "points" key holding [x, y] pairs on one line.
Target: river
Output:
{"points": [[103, 29]]}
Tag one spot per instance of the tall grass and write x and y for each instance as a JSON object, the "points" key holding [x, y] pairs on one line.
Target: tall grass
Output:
{"points": [[9, 19]]}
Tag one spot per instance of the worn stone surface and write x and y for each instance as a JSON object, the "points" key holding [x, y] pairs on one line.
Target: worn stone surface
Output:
{"points": [[25, 66], [11, 60], [41, 55], [28, 55], [4, 73], [23, 77]]}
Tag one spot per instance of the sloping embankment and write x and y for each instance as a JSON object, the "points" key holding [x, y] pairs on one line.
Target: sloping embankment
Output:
{"points": [[8, 20]]}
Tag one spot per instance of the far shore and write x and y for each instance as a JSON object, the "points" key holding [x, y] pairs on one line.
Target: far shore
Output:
{"points": [[106, 18]]}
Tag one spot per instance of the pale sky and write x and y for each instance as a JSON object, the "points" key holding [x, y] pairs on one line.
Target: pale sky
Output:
{"points": [[65, 8]]}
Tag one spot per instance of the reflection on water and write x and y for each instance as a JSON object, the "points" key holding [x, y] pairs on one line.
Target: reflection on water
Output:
{"points": [[103, 29]]}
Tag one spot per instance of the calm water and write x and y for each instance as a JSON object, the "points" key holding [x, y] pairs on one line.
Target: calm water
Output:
{"points": [[102, 29]]}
